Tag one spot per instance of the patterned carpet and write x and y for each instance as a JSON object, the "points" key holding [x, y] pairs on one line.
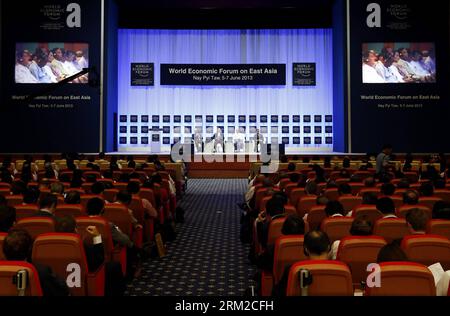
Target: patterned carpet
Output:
{"points": [[207, 258]]}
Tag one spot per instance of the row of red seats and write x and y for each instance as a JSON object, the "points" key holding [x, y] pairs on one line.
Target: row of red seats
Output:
{"points": [[354, 255]]}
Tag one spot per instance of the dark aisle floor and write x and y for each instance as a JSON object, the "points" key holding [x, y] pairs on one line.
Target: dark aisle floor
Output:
{"points": [[207, 258]]}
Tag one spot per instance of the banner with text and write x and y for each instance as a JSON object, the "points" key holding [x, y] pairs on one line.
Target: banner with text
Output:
{"points": [[223, 74]]}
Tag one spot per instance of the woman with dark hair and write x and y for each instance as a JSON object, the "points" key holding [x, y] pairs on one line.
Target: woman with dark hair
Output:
{"points": [[360, 227]]}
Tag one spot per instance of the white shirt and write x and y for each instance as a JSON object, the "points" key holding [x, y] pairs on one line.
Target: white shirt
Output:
{"points": [[81, 63], [50, 73], [381, 70], [389, 216], [70, 68], [418, 69], [24, 75], [393, 69], [370, 75], [334, 249], [390, 76]]}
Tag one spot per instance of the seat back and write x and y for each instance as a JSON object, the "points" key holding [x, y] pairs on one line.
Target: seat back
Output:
{"points": [[259, 195], [24, 211], [288, 250], [36, 225], [439, 227], [4, 191], [275, 227], [359, 251], [86, 197], [332, 194], [401, 212], [110, 194], [74, 210], [290, 209], [337, 227], [443, 194], [356, 187], [330, 278], [103, 228], [427, 249], [58, 251], [148, 195], [404, 279], [137, 207], [13, 200], [121, 186], [398, 201], [370, 211], [264, 201], [8, 273], [305, 204], [429, 201], [350, 202], [391, 228], [119, 215], [296, 194], [315, 217], [2, 238]]}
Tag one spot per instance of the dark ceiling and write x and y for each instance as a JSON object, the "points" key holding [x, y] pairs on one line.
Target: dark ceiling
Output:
{"points": [[224, 13]]}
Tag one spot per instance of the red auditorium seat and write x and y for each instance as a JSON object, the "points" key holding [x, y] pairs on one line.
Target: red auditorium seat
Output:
{"points": [[86, 187], [356, 187], [342, 181], [370, 211], [337, 227], [74, 210], [391, 228], [369, 190], [315, 217], [139, 213], [121, 186], [86, 197], [350, 202], [106, 181], [358, 252], [398, 201], [110, 195], [148, 195], [95, 173], [429, 201], [411, 176], [36, 225], [259, 195], [283, 183], [264, 202], [288, 250], [439, 227], [58, 251], [4, 191], [119, 215], [112, 252], [427, 249], [443, 194], [290, 209], [2, 238], [4, 185], [289, 187], [404, 279], [401, 212], [24, 211], [275, 230], [8, 273], [363, 174], [330, 278], [332, 194], [295, 195], [13, 200], [305, 204]]}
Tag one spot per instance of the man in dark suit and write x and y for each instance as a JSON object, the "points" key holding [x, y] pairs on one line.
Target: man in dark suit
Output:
{"points": [[47, 206], [17, 247]]}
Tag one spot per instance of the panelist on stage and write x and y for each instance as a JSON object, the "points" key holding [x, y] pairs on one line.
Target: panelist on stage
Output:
{"points": [[238, 140], [218, 139], [198, 141], [258, 139]]}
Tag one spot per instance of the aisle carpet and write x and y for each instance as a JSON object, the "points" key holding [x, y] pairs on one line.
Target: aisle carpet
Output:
{"points": [[207, 257]]}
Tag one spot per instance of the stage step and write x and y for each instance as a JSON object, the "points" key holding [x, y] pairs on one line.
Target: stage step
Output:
{"points": [[219, 170]]}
